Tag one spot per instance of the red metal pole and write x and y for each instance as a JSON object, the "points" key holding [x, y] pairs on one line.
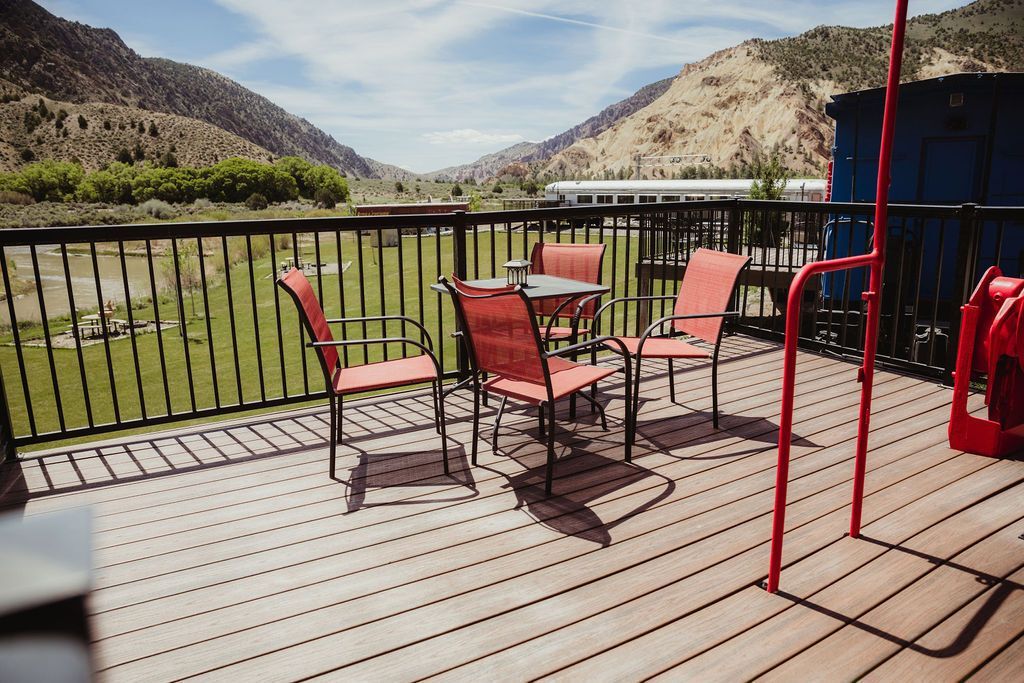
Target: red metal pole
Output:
{"points": [[873, 295], [876, 261]]}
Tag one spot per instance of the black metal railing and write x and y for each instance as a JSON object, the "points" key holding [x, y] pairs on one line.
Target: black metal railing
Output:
{"points": [[107, 329]]}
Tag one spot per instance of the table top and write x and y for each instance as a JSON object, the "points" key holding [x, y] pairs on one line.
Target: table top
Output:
{"points": [[540, 287]]}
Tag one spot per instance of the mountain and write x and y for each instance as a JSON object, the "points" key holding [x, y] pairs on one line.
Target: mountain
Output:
{"points": [[489, 165], [95, 133], [71, 62], [768, 96]]}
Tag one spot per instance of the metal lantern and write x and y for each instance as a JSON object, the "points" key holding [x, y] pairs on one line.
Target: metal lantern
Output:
{"points": [[517, 270]]}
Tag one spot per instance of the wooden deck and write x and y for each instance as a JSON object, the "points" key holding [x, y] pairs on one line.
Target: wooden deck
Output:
{"points": [[226, 553]]}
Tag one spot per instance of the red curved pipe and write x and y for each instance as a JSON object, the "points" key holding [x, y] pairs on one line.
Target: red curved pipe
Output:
{"points": [[876, 260]]}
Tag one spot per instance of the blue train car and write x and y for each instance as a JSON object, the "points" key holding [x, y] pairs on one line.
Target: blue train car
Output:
{"points": [[958, 139]]}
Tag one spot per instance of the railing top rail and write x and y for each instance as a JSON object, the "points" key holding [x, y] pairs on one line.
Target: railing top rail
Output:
{"points": [[231, 228]]}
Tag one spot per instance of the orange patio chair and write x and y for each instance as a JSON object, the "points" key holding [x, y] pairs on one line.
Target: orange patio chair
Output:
{"points": [[504, 340], [700, 311], [576, 262], [342, 380]]}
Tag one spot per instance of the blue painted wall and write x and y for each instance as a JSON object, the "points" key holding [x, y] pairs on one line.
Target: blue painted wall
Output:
{"points": [[958, 139]]}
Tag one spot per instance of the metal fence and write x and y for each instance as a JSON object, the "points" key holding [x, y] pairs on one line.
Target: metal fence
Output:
{"points": [[128, 327]]}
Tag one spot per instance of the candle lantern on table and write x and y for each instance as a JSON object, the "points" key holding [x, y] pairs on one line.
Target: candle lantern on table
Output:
{"points": [[518, 271]]}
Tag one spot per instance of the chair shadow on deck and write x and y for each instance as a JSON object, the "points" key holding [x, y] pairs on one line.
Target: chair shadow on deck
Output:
{"points": [[415, 468], [1004, 587], [690, 428], [583, 479]]}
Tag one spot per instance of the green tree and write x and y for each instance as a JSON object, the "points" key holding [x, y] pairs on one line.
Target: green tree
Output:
{"points": [[112, 185], [457, 190], [52, 181], [124, 156], [770, 178], [769, 183], [399, 187], [296, 167], [153, 132], [82, 123], [139, 153], [497, 188], [530, 188], [322, 177]]}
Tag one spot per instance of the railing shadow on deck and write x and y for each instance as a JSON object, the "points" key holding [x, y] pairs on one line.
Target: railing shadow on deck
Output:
{"points": [[87, 467]]}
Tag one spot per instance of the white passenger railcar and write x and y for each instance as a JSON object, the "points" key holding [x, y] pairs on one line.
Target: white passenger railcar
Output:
{"points": [[595, 192]]}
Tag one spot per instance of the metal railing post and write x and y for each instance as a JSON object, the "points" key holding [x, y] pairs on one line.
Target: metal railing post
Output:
{"points": [[461, 271], [968, 246], [8, 452]]}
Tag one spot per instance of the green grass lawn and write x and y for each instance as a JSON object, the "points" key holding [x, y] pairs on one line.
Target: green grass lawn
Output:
{"points": [[272, 368]]}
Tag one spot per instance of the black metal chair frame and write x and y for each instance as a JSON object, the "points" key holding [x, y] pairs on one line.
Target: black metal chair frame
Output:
{"points": [[657, 325], [549, 404], [425, 345]]}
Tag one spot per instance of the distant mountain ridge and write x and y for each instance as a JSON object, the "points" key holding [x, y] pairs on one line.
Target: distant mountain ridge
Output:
{"points": [[767, 96], [490, 164], [72, 62]]}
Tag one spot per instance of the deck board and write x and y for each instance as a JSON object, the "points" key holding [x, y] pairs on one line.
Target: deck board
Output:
{"points": [[225, 552]]}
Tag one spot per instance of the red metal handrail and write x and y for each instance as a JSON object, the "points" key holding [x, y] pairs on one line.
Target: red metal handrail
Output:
{"points": [[876, 261]]}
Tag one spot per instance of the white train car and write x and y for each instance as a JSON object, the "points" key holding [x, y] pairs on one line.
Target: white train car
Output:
{"points": [[595, 192]]}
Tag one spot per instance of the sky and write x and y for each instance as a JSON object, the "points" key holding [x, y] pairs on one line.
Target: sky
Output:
{"points": [[426, 84]]}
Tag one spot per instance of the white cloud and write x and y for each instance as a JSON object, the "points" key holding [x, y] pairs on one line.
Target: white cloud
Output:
{"points": [[430, 83], [470, 136]]}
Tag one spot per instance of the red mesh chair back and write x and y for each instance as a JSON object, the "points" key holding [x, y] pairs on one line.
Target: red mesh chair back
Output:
{"points": [[503, 335], [707, 287], [573, 261], [312, 316]]}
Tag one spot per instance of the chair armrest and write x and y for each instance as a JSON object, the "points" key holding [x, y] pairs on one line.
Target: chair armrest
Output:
{"points": [[375, 318], [624, 299], [383, 340], [689, 316], [585, 345], [558, 309]]}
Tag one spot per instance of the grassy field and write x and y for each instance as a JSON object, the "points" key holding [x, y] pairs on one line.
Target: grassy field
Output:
{"points": [[270, 369]]}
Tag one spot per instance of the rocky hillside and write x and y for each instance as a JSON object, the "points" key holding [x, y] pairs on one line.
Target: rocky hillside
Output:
{"points": [[765, 97], [71, 62], [490, 164], [95, 134]]}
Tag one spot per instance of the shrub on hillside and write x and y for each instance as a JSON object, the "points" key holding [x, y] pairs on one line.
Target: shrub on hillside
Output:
{"points": [[82, 123], [326, 198], [256, 202], [157, 209], [18, 198]]}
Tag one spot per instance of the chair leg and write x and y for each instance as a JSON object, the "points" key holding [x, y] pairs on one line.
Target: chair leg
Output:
{"points": [[714, 389], [540, 419], [497, 422], [483, 396], [671, 382], [341, 403], [334, 433], [594, 405], [436, 393], [636, 388], [593, 387], [551, 449], [630, 416], [439, 416], [476, 420]]}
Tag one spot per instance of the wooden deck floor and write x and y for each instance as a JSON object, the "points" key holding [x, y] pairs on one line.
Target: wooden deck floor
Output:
{"points": [[226, 553]]}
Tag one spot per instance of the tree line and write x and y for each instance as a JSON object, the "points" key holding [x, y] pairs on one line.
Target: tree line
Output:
{"points": [[231, 180]]}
